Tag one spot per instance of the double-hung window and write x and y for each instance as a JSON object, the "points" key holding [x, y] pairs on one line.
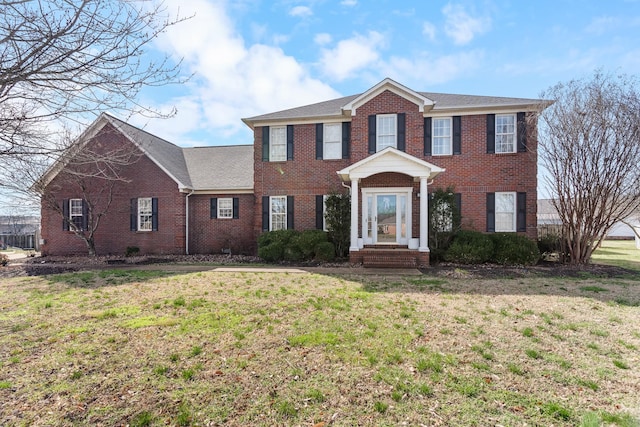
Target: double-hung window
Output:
{"points": [[332, 140], [76, 214], [278, 213], [278, 143], [505, 133], [145, 214], [441, 137], [386, 131], [505, 212], [225, 208]]}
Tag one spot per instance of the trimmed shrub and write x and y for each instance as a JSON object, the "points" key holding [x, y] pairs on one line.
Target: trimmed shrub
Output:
{"points": [[4, 260], [514, 249], [325, 251], [282, 236], [307, 241], [550, 244], [131, 251], [272, 253], [470, 247]]}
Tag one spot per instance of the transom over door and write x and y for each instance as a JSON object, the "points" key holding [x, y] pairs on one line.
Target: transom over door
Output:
{"points": [[385, 217]]}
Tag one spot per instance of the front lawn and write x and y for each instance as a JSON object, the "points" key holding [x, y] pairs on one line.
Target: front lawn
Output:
{"points": [[146, 348], [621, 253]]}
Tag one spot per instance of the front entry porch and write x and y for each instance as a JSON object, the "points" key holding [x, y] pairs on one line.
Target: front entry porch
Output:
{"points": [[383, 216]]}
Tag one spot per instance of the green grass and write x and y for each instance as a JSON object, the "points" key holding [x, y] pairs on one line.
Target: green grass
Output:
{"points": [[620, 253], [268, 349]]}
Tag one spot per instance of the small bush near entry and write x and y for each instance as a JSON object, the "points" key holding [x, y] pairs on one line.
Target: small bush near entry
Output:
{"points": [[510, 249], [325, 251], [295, 246], [470, 247], [307, 241], [131, 251], [4, 260]]}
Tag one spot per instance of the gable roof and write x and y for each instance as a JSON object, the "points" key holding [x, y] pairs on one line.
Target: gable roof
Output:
{"points": [[199, 169], [440, 103], [390, 160]]}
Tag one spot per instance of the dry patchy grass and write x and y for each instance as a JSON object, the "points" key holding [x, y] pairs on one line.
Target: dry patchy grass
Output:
{"points": [[151, 348]]}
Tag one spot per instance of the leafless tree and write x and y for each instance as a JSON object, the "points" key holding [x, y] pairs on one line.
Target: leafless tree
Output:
{"points": [[589, 143], [91, 170], [62, 62]]}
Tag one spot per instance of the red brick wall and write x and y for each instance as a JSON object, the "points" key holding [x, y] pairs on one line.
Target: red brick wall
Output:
{"points": [[212, 235], [113, 236], [473, 173]]}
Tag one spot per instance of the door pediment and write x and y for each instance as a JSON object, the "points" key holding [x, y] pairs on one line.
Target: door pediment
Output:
{"points": [[390, 160]]}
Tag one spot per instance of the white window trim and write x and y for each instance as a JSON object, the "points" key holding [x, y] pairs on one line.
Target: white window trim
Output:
{"points": [[515, 212], [379, 117], [283, 156], [271, 213], [325, 141], [434, 137], [228, 208], [143, 213], [515, 133], [73, 215]]}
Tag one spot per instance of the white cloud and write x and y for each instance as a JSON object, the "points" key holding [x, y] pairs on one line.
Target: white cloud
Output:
{"points": [[426, 69], [462, 27], [232, 79], [429, 30], [351, 55], [349, 2], [301, 11], [322, 39]]}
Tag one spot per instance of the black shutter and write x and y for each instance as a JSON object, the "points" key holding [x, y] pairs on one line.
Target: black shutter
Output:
{"points": [[320, 212], [402, 132], [236, 208], [265, 213], [289, 212], [427, 136], [213, 208], [154, 213], [133, 215], [491, 133], [85, 215], [289, 142], [457, 199], [319, 141], [265, 143], [372, 134], [346, 140], [522, 132], [521, 207], [491, 212], [65, 215], [457, 135]]}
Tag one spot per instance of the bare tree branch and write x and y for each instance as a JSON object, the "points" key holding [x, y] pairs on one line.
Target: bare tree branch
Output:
{"points": [[590, 143]]}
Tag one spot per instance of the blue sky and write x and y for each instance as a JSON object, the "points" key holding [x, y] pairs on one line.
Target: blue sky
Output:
{"points": [[251, 57]]}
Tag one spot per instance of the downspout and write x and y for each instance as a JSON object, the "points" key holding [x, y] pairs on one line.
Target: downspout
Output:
{"points": [[186, 225]]}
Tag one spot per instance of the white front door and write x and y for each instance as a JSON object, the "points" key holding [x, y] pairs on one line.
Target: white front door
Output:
{"points": [[386, 216]]}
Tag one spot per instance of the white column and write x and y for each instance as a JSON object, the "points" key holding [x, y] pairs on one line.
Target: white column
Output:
{"points": [[424, 216], [354, 216]]}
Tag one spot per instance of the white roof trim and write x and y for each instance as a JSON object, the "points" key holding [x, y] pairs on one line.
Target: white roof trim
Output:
{"points": [[392, 86], [390, 160]]}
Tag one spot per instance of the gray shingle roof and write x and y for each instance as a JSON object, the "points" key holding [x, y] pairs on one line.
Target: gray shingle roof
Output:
{"points": [[212, 168], [443, 101]]}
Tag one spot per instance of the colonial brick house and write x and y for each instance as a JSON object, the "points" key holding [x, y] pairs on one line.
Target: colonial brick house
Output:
{"points": [[389, 146]]}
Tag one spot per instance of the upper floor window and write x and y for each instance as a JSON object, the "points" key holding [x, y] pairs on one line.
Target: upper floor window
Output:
{"points": [[278, 143], [441, 136], [505, 133], [386, 131], [332, 140]]}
